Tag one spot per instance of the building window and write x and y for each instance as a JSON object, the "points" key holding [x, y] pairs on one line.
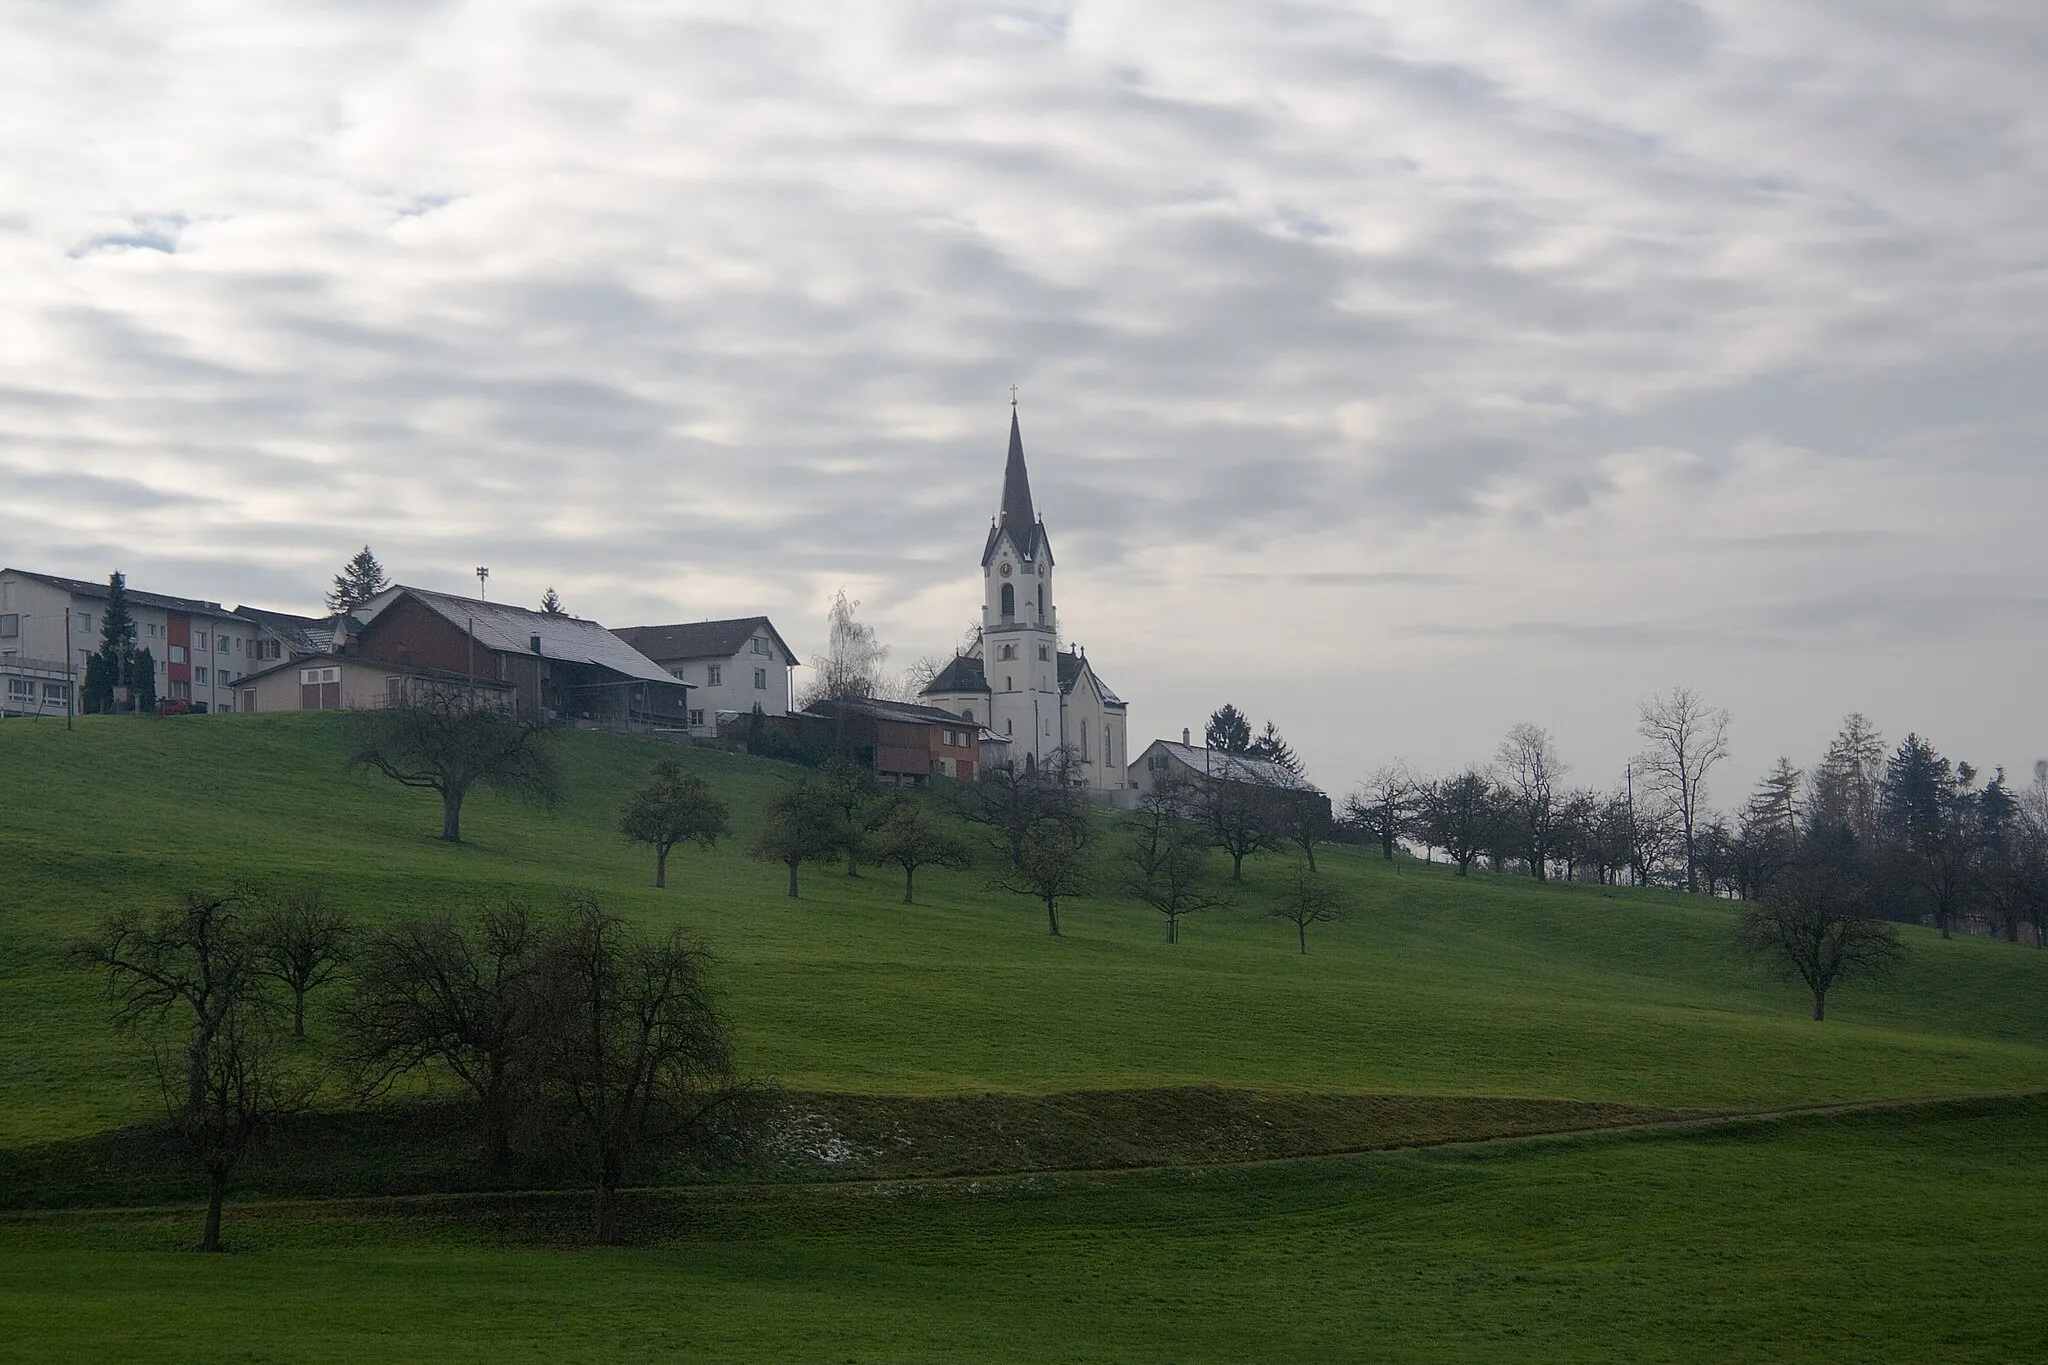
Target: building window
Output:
{"points": [[1044, 654], [1109, 748], [220, 644], [713, 675], [1009, 651], [177, 654], [760, 680], [696, 717], [84, 622], [1084, 741], [1041, 604], [968, 715], [760, 645], [1009, 601], [1007, 728], [55, 693], [1009, 683], [199, 675], [199, 642], [10, 626], [20, 689], [181, 691]]}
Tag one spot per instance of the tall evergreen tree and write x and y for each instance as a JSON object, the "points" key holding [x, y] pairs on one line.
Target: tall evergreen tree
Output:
{"points": [[1230, 730], [1842, 789], [109, 668], [551, 603], [359, 580]]}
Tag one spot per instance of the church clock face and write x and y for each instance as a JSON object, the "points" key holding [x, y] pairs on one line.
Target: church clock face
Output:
{"points": [[1006, 571]]}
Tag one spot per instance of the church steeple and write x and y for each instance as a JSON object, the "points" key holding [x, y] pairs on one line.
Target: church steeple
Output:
{"points": [[1016, 509]]}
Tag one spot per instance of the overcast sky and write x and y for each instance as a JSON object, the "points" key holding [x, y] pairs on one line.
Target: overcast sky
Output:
{"points": [[1397, 371]]}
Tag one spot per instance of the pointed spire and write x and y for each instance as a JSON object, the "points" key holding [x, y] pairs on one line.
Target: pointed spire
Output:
{"points": [[1016, 512]]}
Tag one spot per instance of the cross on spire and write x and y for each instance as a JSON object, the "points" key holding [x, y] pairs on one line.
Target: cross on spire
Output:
{"points": [[1013, 395]]}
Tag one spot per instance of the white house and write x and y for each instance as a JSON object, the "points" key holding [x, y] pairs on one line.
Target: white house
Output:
{"points": [[1016, 679], [733, 666], [201, 649]]}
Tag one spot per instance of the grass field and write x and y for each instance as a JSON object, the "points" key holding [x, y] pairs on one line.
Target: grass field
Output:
{"points": [[1897, 1234]]}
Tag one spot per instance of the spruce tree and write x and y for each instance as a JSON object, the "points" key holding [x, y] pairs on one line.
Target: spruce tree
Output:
{"points": [[117, 646], [359, 580], [551, 603]]}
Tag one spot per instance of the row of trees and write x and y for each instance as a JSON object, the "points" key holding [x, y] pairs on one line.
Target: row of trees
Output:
{"points": [[581, 1039]]}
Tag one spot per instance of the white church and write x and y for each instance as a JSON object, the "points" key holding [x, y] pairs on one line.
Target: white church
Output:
{"points": [[1016, 680]]}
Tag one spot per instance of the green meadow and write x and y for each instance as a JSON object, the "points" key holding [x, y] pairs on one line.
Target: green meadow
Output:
{"points": [[1898, 1221]]}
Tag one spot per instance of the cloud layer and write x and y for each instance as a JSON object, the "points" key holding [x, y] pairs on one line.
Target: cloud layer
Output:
{"points": [[1397, 371]]}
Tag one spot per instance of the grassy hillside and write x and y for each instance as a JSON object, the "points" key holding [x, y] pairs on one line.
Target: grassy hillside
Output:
{"points": [[1436, 985], [1885, 1236]]}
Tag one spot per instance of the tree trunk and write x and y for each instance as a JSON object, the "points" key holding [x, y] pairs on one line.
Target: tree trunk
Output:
{"points": [[908, 874], [1301, 930], [1387, 849], [852, 853], [216, 1195], [608, 1179], [661, 869], [298, 1011], [1820, 1003], [1173, 928], [451, 815], [1310, 849], [792, 878], [1237, 867], [1052, 915]]}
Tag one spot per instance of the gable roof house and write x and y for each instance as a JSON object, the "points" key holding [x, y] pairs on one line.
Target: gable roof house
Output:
{"points": [[733, 666], [1200, 766], [560, 667], [903, 744]]}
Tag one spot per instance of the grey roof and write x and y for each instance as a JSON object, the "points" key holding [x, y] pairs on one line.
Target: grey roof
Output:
{"points": [[1072, 666], [301, 634], [84, 587], [963, 674], [701, 639], [1015, 513], [508, 629], [1233, 767]]}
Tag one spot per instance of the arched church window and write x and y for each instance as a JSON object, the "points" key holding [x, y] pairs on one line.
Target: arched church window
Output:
{"points": [[1009, 601], [968, 715], [1084, 738], [1041, 604]]}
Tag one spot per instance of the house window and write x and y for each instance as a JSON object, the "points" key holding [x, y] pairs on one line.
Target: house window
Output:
{"points": [[20, 689], [177, 654], [220, 644], [760, 645], [181, 691], [760, 680], [199, 675], [10, 626], [84, 623], [54, 692], [696, 717], [713, 675], [319, 689], [199, 642]]}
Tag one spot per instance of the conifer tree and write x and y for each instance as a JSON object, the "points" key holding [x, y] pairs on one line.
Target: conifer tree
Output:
{"points": [[359, 580], [551, 603], [110, 668]]}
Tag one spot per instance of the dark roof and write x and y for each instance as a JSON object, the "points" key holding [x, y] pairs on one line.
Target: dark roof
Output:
{"points": [[885, 710], [1015, 512], [378, 666], [82, 587], [701, 639], [961, 675]]}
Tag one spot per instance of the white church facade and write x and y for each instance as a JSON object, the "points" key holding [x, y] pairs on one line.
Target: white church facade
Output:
{"points": [[1016, 679]]}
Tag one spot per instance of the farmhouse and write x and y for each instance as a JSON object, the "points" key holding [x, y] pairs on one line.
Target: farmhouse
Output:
{"points": [[733, 667], [1199, 766], [1016, 679]]}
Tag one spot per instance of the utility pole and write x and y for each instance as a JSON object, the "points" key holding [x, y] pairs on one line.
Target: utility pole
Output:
{"points": [[481, 574], [70, 683]]}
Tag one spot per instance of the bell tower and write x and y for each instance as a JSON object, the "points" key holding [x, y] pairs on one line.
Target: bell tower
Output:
{"points": [[1019, 623]]}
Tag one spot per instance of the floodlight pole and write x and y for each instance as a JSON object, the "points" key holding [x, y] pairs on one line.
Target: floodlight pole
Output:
{"points": [[481, 574]]}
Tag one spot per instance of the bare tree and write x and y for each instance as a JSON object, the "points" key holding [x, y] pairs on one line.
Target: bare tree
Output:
{"points": [[195, 961], [246, 1088], [1383, 808], [1302, 818], [1309, 900], [302, 940], [852, 789], [1529, 772], [1458, 812], [803, 827], [675, 807], [1243, 817], [1012, 800], [447, 742], [1168, 856], [851, 666], [1685, 738], [1053, 866], [1817, 922], [460, 997], [910, 838], [637, 1049]]}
